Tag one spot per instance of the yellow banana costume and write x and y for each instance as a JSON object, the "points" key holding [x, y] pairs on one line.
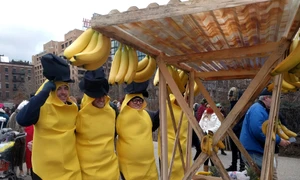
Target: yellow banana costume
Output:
{"points": [[54, 140], [177, 170], [135, 144], [95, 132]]}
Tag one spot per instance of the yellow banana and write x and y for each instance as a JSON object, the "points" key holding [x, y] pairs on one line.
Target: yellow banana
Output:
{"points": [[92, 44], [270, 87], [156, 77], [196, 89], [115, 65], [177, 79], [184, 77], [132, 65], [264, 129], [216, 149], [123, 66], [75, 63], [287, 85], [294, 43], [293, 78], [147, 72], [205, 173], [210, 141], [204, 144], [289, 62], [142, 63], [99, 52], [79, 44], [221, 145], [288, 132], [95, 65], [281, 133]]}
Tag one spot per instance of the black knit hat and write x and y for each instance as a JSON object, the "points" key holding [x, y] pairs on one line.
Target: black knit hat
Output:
{"points": [[94, 84], [136, 88], [55, 68], [265, 92]]}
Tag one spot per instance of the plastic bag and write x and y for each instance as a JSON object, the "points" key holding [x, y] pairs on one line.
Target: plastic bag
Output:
{"points": [[236, 175]]}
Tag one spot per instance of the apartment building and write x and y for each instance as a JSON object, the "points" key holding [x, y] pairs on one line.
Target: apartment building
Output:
{"points": [[16, 81]]}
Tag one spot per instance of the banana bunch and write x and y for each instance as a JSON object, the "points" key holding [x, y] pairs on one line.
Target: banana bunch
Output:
{"points": [[90, 50], [279, 129], [292, 61], [206, 144], [205, 173], [124, 65], [145, 69]]}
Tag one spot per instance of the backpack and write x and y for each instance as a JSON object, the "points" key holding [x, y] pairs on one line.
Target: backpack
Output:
{"points": [[233, 94]]}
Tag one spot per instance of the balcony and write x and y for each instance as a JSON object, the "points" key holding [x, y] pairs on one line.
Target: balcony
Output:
{"points": [[15, 89], [21, 73], [18, 80]]}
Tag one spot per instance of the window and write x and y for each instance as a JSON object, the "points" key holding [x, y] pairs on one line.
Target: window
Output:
{"points": [[14, 77], [7, 86], [0, 85], [62, 46], [15, 86], [6, 69], [6, 77], [29, 78], [7, 94], [29, 71], [14, 70]]}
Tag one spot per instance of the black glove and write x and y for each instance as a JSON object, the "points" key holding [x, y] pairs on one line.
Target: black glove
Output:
{"points": [[49, 86]]}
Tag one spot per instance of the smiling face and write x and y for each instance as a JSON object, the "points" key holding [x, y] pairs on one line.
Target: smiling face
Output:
{"points": [[99, 102], [62, 93], [136, 103]]}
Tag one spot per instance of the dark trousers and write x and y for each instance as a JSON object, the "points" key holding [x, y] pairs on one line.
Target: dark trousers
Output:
{"points": [[235, 153], [196, 143]]}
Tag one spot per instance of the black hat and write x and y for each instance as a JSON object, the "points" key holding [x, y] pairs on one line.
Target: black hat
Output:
{"points": [[94, 84], [55, 68], [265, 92], [136, 88]]}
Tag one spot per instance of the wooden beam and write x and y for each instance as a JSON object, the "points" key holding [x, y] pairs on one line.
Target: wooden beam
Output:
{"points": [[232, 53], [125, 38], [268, 158], [175, 8], [228, 74], [163, 126]]}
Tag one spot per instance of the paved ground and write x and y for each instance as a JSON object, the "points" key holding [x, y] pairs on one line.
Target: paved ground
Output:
{"points": [[288, 168]]}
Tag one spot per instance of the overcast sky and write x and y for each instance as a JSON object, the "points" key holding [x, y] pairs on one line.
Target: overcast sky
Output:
{"points": [[28, 24]]}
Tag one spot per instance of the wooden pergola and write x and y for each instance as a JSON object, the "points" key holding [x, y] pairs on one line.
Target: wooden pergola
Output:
{"points": [[211, 40]]}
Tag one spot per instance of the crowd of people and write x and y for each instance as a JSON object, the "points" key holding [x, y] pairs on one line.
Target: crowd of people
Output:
{"points": [[97, 138]]}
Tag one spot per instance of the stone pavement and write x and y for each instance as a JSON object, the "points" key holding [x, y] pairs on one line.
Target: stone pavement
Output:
{"points": [[288, 168]]}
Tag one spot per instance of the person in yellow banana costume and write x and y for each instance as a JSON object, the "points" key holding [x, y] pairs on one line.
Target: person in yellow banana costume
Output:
{"points": [[252, 137], [177, 172], [134, 145], [53, 115], [209, 122], [95, 129]]}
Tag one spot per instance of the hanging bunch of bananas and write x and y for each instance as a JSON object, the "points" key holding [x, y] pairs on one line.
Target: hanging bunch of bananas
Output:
{"points": [[290, 68], [279, 129], [90, 50], [145, 70], [206, 144], [180, 77], [124, 65]]}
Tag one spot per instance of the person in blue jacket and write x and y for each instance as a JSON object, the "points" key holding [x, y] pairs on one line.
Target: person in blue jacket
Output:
{"points": [[252, 137]]}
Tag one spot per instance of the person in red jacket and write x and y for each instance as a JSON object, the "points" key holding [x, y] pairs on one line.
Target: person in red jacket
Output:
{"points": [[29, 138]]}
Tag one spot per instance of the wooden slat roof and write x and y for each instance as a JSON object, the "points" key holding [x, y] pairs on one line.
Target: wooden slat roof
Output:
{"points": [[219, 39]]}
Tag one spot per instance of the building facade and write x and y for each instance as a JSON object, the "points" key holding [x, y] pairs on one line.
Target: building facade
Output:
{"points": [[16, 81]]}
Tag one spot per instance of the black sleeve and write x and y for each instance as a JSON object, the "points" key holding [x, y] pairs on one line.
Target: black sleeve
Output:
{"points": [[282, 119], [154, 115], [30, 113]]}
